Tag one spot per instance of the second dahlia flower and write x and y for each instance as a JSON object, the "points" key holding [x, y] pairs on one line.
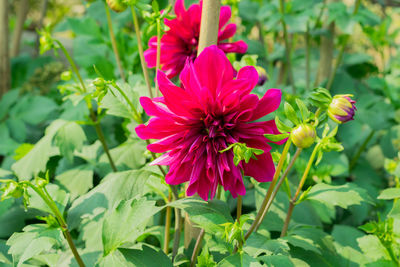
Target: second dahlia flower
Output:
{"points": [[180, 42], [211, 111]]}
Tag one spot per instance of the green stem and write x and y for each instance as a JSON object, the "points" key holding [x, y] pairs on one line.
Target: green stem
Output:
{"points": [[257, 220], [72, 63], [167, 225], [341, 51], [197, 248], [52, 205], [278, 185], [239, 208], [302, 181], [360, 150], [307, 37], [114, 42], [140, 47], [89, 104], [158, 52], [287, 46]]}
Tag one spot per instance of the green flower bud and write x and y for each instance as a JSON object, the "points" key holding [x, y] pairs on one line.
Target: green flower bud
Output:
{"points": [[117, 5], [12, 189], [99, 83], [66, 75], [321, 98], [303, 135], [40, 182], [46, 43]]}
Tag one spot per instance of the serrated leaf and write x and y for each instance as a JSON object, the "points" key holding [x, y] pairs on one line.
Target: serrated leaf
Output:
{"points": [[208, 215], [135, 213], [372, 247], [77, 181], [239, 260], [69, 137], [395, 211], [390, 193], [34, 240], [260, 244], [113, 188]]}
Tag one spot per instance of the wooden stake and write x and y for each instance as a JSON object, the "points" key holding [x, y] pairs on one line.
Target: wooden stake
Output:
{"points": [[209, 24], [22, 12]]}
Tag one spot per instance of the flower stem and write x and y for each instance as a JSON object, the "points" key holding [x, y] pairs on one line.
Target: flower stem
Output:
{"points": [[197, 248], [360, 150], [52, 205], [158, 52], [239, 208], [167, 225], [341, 51], [307, 37], [287, 46], [294, 198], [257, 220], [93, 117], [114, 42], [278, 185], [140, 47]]}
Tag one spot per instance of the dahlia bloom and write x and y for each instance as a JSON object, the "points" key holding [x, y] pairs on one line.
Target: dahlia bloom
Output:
{"points": [[180, 42], [342, 108], [211, 111]]}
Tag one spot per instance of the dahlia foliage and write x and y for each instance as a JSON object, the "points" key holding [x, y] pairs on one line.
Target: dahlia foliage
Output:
{"points": [[180, 42], [211, 110]]}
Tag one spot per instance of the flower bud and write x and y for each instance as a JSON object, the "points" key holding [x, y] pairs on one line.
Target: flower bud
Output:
{"points": [[117, 5], [342, 108], [66, 75], [303, 135], [99, 83], [46, 43], [262, 76]]}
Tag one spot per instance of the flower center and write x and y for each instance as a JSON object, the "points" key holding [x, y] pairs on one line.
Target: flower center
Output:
{"points": [[192, 48], [215, 127]]}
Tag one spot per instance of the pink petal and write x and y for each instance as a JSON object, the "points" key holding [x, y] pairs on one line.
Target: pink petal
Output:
{"points": [[262, 169], [267, 104], [224, 16], [236, 47], [228, 32]]}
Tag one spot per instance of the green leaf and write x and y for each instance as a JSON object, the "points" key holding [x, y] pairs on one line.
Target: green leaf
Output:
{"points": [[5, 258], [77, 181], [276, 137], [395, 211], [338, 195], [258, 244], [372, 247], [34, 240], [283, 128], [129, 155], [36, 159], [239, 260], [34, 109], [390, 193], [59, 196], [305, 114], [113, 188], [208, 215], [277, 261], [135, 213], [69, 137], [291, 113], [146, 256]]}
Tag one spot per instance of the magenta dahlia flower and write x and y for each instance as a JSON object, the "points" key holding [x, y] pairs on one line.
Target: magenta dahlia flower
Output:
{"points": [[180, 42], [212, 110]]}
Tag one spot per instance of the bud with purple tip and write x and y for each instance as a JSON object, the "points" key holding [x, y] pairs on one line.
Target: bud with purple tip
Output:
{"points": [[262, 75], [342, 108]]}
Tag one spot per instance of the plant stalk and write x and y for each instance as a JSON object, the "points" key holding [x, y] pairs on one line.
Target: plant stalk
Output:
{"points": [[307, 37], [360, 150], [287, 46], [341, 51], [278, 185], [197, 248], [294, 198], [52, 205], [239, 208], [114, 42], [93, 117], [257, 220], [167, 225], [140, 47]]}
